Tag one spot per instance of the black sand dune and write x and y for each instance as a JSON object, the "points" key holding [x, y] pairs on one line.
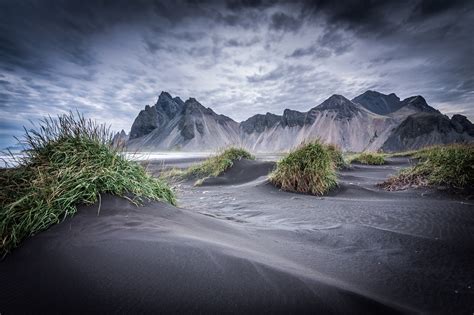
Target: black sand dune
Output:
{"points": [[414, 248], [242, 171], [244, 246], [158, 258]]}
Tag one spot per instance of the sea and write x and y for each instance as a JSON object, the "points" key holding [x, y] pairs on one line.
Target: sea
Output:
{"points": [[11, 159]]}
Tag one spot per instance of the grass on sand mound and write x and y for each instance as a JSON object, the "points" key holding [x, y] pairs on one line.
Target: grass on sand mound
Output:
{"points": [[68, 161], [451, 166], [370, 158], [336, 156], [212, 167], [308, 169]]}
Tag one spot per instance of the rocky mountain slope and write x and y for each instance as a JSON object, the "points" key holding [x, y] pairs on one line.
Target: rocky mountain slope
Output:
{"points": [[120, 139], [337, 120], [174, 124], [370, 121], [424, 129]]}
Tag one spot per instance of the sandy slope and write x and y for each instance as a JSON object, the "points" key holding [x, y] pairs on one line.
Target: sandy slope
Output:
{"points": [[414, 248], [245, 246]]}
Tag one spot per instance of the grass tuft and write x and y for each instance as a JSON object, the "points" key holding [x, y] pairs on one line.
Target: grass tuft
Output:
{"points": [[451, 166], [211, 167], [336, 156], [218, 164], [308, 169], [370, 158], [67, 161]]}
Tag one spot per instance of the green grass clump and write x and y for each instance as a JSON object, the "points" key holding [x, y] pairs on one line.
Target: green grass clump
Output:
{"points": [[68, 161], [451, 166], [308, 169], [370, 158], [213, 166], [336, 156]]}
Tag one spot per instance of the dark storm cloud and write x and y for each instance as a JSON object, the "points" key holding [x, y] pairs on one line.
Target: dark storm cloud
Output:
{"points": [[279, 73], [283, 22], [236, 42], [109, 58], [381, 16], [335, 41], [190, 36], [313, 50], [331, 42], [432, 7], [237, 5]]}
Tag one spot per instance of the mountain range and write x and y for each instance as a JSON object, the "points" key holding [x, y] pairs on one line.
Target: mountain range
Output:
{"points": [[370, 121]]}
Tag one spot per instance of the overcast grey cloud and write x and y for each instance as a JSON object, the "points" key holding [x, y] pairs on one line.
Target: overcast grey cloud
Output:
{"points": [[108, 59]]}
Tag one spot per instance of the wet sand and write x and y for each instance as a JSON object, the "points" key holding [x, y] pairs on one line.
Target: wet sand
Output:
{"points": [[239, 245]]}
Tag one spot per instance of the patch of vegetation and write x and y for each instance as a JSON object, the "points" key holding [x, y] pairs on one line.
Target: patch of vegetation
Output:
{"points": [[212, 167], [451, 166], [218, 164], [308, 169], [370, 158], [68, 161], [336, 156], [409, 153]]}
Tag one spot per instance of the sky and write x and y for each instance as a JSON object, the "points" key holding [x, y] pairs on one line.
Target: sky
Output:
{"points": [[108, 59]]}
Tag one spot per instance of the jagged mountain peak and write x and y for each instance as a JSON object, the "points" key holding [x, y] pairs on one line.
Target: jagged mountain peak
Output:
{"points": [[378, 103], [429, 128], [167, 104], [462, 124], [192, 102], [292, 118], [373, 93], [156, 116], [418, 103], [120, 138], [336, 101], [259, 122], [339, 104], [193, 107], [174, 124], [178, 100], [165, 94]]}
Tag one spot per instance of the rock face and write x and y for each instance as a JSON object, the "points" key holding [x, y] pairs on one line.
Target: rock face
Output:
{"points": [[156, 116], [259, 123], [292, 118], [338, 104], [337, 120], [379, 103], [424, 129], [120, 139], [383, 104], [172, 124], [371, 121]]}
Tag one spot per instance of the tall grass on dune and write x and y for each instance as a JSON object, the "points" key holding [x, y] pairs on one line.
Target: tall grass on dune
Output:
{"points": [[369, 158], [67, 161], [451, 166], [211, 167], [336, 156], [308, 169], [218, 164]]}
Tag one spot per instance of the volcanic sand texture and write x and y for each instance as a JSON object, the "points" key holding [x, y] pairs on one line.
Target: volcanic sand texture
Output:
{"points": [[255, 249], [413, 248]]}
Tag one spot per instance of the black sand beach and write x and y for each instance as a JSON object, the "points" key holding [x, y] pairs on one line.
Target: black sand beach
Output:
{"points": [[239, 245]]}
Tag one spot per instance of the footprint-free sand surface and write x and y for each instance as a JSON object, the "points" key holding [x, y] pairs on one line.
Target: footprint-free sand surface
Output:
{"points": [[237, 244]]}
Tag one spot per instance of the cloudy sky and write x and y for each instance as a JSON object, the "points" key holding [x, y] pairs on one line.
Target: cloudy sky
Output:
{"points": [[108, 59]]}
